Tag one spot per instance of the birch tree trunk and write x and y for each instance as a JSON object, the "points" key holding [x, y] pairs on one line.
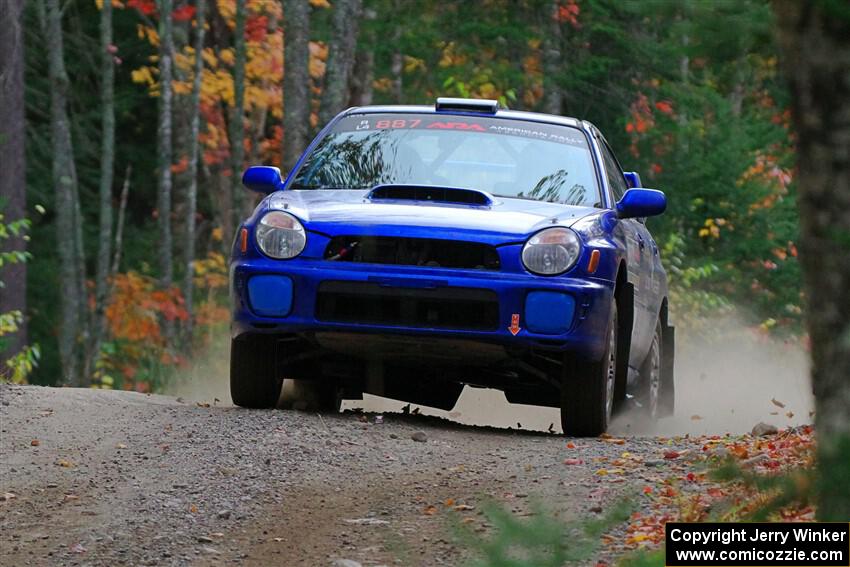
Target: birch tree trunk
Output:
{"points": [[296, 80], [237, 120], [107, 164], [13, 197], [164, 145], [553, 64], [68, 222], [346, 21], [194, 154], [815, 37]]}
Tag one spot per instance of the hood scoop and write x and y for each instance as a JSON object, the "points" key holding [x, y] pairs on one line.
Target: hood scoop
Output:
{"points": [[430, 193]]}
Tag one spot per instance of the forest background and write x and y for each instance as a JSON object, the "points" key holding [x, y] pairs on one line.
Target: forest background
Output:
{"points": [[115, 245]]}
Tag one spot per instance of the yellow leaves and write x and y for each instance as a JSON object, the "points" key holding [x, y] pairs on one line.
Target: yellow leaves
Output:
{"points": [[143, 75], [711, 228], [115, 4], [450, 58], [227, 56], [318, 56], [209, 57], [320, 3], [412, 64], [149, 33]]}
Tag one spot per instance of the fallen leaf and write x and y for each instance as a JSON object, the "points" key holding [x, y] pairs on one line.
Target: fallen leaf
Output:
{"points": [[77, 548], [671, 454], [449, 502], [647, 490], [71, 497], [64, 463], [777, 403], [571, 445], [573, 462], [463, 507], [789, 415], [121, 446], [7, 496], [193, 509], [696, 417], [430, 510], [35, 443]]}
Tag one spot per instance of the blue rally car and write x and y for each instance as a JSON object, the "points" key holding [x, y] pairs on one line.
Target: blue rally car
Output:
{"points": [[413, 250]]}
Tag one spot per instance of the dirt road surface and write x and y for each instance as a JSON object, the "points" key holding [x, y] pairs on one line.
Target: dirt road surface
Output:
{"points": [[96, 477]]}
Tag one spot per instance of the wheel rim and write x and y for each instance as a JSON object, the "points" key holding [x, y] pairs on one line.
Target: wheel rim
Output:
{"points": [[654, 378], [611, 372]]}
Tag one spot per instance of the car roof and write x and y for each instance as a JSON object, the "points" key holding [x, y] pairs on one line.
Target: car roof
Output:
{"points": [[500, 113]]}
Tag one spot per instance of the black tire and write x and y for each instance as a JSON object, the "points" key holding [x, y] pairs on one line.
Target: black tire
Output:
{"points": [[651, 385], [587, 391], [253, 378]]}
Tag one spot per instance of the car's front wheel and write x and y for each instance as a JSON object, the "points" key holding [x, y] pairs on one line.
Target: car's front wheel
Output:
{"points": [[587, 391], [253, 374]]}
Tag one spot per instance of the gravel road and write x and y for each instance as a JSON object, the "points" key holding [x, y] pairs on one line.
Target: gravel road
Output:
{"points": [[96, 477]]}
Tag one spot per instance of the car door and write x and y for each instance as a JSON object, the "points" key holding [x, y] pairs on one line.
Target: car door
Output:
{"points": [[640, 263]]}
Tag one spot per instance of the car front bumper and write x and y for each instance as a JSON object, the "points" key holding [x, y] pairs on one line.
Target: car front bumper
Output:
{"points": [[518, 311]]}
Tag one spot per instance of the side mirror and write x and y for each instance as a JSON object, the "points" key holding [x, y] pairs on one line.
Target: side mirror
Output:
{"points": [[639, 203], [632, 179], [262, 179]]}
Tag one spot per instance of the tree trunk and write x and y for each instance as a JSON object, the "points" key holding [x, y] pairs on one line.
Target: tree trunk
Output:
{"points": [[13, 195], [68, 222], [346, 20], [363, 74], [815, 37], [194, 154], [296, 80], [553, 65], [164, 146], [237, 120], [107, 164]]}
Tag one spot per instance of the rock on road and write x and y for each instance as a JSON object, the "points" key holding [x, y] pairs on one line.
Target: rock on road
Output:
{"points": [[96, 477]]}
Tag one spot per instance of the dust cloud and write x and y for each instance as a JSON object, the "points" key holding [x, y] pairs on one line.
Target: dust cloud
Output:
{"points": [[726, 381], [731, 379]]}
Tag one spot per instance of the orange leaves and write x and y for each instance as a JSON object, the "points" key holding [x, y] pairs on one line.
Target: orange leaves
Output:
{"points": [[665, 107], [136, 307], [184, 13], [568, 12], [146, 7]]}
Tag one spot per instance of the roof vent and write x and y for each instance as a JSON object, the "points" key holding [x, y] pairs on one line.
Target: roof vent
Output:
{"points": [[484, 106]]}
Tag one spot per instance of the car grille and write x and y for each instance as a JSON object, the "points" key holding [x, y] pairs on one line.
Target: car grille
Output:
{"points": [[438, 308], [413, 252]]}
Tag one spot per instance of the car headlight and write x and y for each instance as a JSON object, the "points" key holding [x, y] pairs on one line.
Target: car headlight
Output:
{"points": [[551, 251], [280, 235]]}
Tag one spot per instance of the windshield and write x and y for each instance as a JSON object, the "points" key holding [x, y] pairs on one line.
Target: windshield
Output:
{"points": [[507, 158]]}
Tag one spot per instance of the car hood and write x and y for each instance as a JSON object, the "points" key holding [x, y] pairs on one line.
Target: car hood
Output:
{"points": [[336, 212]]}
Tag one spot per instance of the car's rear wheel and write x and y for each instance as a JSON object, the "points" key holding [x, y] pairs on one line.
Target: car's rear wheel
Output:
{"points": [[587, 391], [253, 379], [649, 392]]}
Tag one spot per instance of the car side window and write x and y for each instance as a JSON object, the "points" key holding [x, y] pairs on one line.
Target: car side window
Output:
{"points": [[612, 170]]}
